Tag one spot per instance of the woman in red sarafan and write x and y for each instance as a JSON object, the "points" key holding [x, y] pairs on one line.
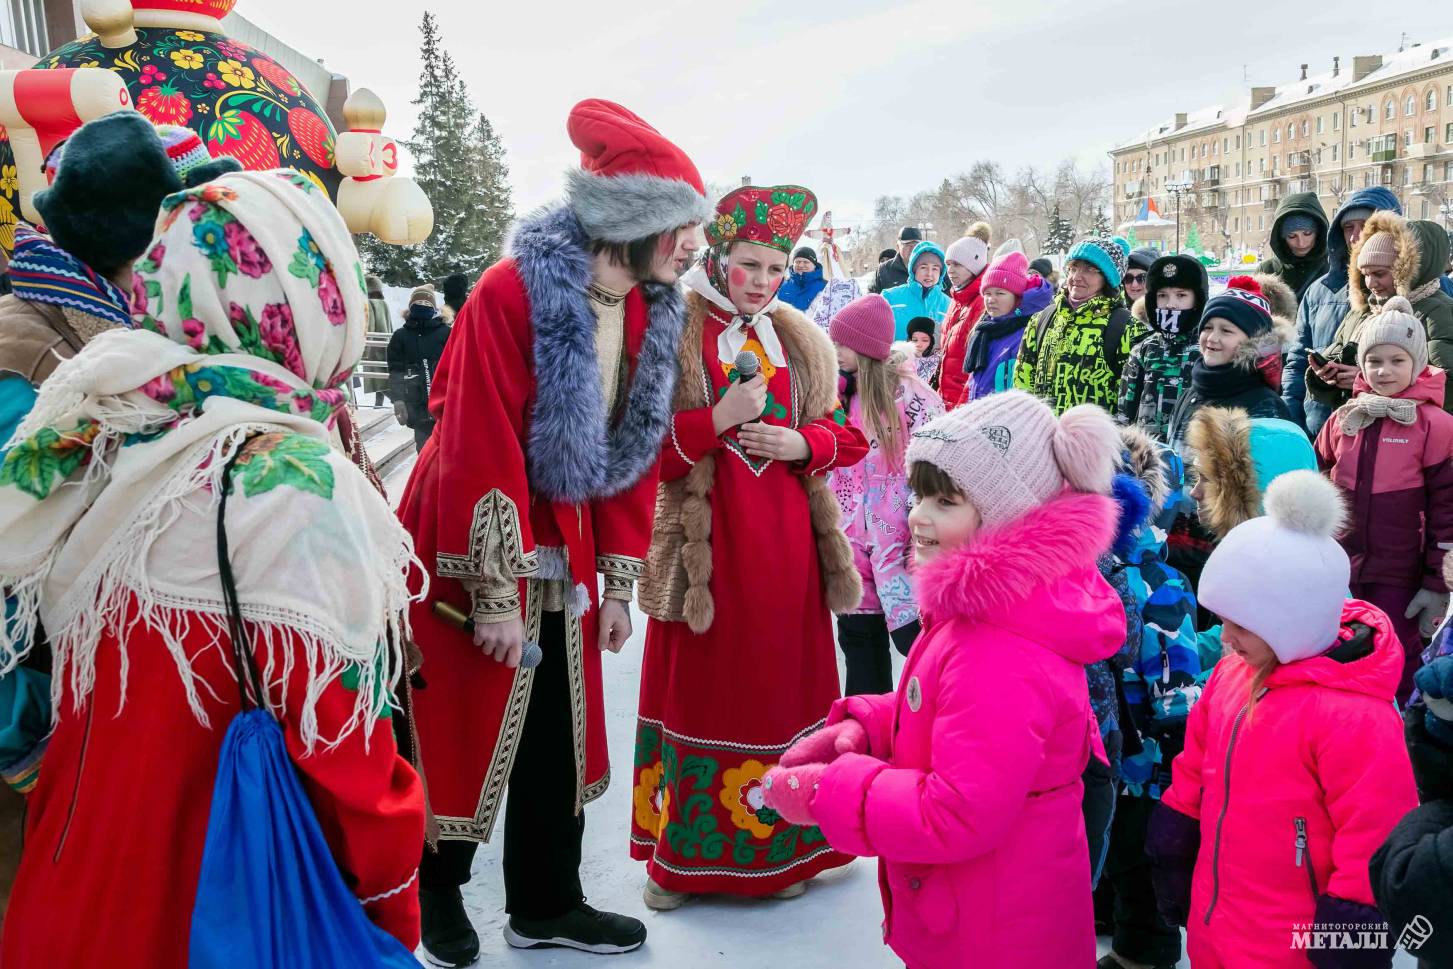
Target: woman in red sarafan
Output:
{"points": [[747, 561]]}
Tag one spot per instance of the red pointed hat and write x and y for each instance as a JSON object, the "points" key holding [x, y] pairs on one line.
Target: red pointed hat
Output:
{"points": [[632, 182]]}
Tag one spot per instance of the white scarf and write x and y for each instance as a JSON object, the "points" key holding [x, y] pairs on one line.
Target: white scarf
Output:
{"points": [[735, 336], [321, 563]]}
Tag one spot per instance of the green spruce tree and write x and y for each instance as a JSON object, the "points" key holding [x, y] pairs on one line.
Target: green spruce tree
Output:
{"points": [[1193, 240], [1100, 228], [459, 165], [1061, 234]]}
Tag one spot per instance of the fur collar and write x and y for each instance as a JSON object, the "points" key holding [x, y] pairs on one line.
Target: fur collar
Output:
{"points": [[1221, 439], [995, 572], [1141, 459], [1276, 341], [572, 456], [1404, 269]]}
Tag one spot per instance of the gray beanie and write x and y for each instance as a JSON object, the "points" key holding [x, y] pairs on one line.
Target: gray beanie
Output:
{"points": [[1395, 326]]}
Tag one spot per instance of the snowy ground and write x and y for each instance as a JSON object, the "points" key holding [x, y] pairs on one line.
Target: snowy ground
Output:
{"points": [[836, 925]]}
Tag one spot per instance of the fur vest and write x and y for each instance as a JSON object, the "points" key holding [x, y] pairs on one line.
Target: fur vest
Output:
{"points": [[676, 586]]}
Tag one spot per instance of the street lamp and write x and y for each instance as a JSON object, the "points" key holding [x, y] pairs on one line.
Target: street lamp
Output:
{"points": [[1178, 189]]}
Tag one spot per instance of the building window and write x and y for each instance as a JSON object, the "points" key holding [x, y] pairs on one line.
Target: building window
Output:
{"points": [[1448, 135], [1291, 131], [1367, 179], [1337, 183], [1410, 106], [1390, 110], [1429, 134], [1276, 136], [22, 26], [1356, 115], [1260, 222], [1304, 126], [1407, 138], [1238, 169], [1337, 121], [1226, 144], [1407, 175], [1261, 137], [1238, 142], [1236, 224], [1430, 103], [1427, 172], [1274, 160], [1448, 171], [1336, 150], [1352, 151], [1261, 166], [1425, 209], [1320, 123]]}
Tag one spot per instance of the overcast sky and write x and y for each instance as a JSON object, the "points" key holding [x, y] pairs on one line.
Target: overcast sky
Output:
{"points": [[853, 99]]}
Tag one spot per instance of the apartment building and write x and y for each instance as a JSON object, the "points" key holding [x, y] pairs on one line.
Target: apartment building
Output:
{"points": [[1378, 120]]}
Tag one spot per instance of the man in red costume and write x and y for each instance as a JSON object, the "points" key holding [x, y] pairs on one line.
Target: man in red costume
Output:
{"points": [[552, 400]]}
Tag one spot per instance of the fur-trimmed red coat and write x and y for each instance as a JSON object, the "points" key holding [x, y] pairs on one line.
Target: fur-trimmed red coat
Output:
{"points": [[527, 479], [953, 335]]}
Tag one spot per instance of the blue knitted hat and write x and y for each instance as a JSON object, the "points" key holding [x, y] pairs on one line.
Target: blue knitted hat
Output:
{"points": [[1106, 255]]}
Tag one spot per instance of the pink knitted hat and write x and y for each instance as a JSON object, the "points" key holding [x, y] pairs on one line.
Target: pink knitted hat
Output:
{"points": [[864, 325], [1009, 454], [1010, 271]]}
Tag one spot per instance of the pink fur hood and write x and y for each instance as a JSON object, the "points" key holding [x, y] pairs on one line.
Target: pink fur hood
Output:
{"points": [[1036, 576]]}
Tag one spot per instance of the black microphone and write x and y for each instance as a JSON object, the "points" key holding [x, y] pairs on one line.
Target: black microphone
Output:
{"points": [[747, 366]]}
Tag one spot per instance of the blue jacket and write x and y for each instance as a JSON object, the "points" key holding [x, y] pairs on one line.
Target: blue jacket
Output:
{"points": [[1164, 681], [800, 289], [17, 397], [1323, 309], [911, 300]]}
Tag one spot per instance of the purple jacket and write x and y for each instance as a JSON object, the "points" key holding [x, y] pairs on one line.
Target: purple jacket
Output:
{"points": [[998, 373]]}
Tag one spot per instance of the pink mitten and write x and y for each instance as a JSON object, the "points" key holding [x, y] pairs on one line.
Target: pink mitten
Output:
{"points": [[789, 791], [824, 746]]}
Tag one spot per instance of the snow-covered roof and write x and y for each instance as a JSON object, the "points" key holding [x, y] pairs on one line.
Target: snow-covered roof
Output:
{"points": [[1292, 93]]}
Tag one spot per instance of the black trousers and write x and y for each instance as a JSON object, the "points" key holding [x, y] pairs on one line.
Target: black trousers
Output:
{"points": [[422, 431], [864, 641], [542, 832], [1126, 896]]}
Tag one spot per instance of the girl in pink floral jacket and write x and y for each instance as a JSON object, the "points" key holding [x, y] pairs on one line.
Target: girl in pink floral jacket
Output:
{"points": [[885, 398]]}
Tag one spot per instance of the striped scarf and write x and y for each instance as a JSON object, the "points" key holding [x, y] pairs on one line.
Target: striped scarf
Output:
{"points": [[42, 272]]}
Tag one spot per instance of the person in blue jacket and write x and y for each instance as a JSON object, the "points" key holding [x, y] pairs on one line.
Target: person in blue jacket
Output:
{"points": [[921, 295], [1326, 304], [804, 282]]}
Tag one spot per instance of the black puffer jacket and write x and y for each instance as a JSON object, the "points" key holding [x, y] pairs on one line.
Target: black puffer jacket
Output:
{"points": [[1412, 873], [413, 357]]}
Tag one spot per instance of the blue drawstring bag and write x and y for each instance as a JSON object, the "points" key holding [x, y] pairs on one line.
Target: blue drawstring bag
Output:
{"points": [[270, 895]]}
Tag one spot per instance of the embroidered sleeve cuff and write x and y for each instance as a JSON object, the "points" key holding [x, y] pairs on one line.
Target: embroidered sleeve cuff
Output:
{"points": [[693, 434], [823, 447], [496, 556], [494, 601], [621, 573]]}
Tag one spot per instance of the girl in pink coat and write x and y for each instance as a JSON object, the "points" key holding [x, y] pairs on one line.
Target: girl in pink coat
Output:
{"points": [[884, 397], [966, 781], [1294, 769]]}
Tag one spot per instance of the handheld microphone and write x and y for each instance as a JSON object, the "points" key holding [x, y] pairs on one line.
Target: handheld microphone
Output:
{"points": [[747, 366], [530, 655]]}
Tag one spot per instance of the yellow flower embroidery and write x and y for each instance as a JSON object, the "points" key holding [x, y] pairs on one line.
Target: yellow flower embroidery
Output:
{"points": [[187, 60], [767, 370], [741, 794], [190, 35], [647, 798], [725, 227], [235, 74], [7, 224], [9, 180]]}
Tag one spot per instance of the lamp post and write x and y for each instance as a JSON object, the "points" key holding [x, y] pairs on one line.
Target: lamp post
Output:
{"points": [[1178, 189]]}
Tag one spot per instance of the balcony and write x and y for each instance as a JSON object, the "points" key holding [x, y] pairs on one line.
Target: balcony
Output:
{"points": [[1300, 164], [1211, 200], [1424, 150], [1385, 155]]}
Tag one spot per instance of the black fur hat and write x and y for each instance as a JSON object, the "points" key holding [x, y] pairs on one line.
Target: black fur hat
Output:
{"points": [[456, 291], [111, 179]]}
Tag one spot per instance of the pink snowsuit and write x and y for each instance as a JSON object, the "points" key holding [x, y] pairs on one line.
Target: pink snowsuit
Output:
{"points": [[875, 502], [970, 792], [1292, 800]]}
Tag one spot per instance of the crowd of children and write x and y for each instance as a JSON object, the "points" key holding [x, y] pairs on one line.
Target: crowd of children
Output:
{"points": [[1247, 604]]}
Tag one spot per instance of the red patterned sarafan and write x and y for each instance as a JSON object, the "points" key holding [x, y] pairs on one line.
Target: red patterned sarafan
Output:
{"points": [[772, 216]]}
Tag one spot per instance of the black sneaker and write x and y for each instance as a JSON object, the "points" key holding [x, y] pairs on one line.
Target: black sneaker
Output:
{"points": [[449, 939], [581, 928]]}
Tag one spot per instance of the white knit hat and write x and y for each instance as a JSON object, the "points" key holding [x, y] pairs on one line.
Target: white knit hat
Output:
{"points": [[971, 252], [1283, 576], [1008, 453], [1395, 326]]}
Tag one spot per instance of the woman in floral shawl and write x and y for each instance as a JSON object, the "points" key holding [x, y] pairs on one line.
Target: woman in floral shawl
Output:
{"points": [[252, 315]]}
